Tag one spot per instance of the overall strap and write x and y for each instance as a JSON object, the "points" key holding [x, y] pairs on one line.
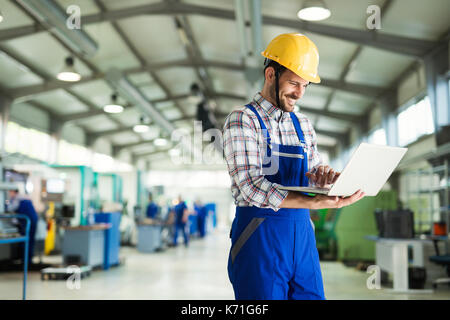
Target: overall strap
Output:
{"points": [[261, 122], [297, 128]]}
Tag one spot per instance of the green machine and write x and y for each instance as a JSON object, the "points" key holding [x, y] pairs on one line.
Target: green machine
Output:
{"points": [[87, 191], [117, 186], [340, 233], [325, 225]]}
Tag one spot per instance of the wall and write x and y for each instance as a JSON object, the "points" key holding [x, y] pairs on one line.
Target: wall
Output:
{"points": [[413, 85], [29, 116], [73, 134], [102, 145]]}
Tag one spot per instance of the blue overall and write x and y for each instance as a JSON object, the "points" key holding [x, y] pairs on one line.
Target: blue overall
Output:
{"points": [[180, 224], [26, 207], [152, 210], [201, 220], [273, 254]]}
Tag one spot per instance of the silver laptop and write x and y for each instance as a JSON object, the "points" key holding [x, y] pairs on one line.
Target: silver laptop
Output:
{"points": [[368, 169]]}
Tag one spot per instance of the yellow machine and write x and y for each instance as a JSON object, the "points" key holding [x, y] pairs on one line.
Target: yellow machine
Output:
{"points": [[50, 239]]}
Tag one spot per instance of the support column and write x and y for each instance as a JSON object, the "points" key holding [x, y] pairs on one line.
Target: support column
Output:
{"points": [[389, 119], [55, 133], [436, 68], [5, 109]]}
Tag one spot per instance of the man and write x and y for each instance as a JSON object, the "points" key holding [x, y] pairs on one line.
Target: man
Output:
{"points": [[152, 208], [20, 204], [201, 212], [267, 144], [181, 217]]}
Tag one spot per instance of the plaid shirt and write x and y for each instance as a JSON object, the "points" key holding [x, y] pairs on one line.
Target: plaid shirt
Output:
{"points": [[243, 142]]}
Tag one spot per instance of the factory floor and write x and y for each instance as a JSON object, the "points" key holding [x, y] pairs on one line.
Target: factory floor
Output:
{"points": [[198, 272]]}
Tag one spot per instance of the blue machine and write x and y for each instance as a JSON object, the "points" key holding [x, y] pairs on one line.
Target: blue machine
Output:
{"points": [[193, 224], [112, 237], [211, 209], [25, 239]]}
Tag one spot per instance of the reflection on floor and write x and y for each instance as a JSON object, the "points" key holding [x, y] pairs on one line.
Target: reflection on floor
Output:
{"points": [[198, 272]]}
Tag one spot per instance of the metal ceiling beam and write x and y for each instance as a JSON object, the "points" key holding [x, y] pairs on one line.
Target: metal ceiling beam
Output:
{"points": [[98, 134], [398, 44], [329, 149], [140, 58], [345, 117], [367, 90], [87, 114], [46, 76], [92, 113]]}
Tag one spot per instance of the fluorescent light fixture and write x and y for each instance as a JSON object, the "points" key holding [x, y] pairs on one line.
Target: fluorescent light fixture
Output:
{"points": [[113, 107], [1, 16], [314, 10], [140, 128], [55, 18], [68, 73], [133, 95], [160, 142], [182, 33]]}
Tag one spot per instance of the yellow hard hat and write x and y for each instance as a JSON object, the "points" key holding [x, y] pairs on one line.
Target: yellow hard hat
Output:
{"points": [[296, 52]]}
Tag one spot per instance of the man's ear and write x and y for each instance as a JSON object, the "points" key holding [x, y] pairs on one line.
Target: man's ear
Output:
{"points": [[269, 74]]}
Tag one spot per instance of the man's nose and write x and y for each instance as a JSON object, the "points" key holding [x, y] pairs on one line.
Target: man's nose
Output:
{"points": [[298, 93]]}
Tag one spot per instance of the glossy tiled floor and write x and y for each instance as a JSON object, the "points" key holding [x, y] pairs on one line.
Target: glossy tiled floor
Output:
{"points": [[197, 272]]}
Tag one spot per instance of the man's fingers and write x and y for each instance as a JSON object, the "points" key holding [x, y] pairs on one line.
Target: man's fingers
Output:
{"points": [[321, 175], [330, 176], [336, 175], [311, 176]]}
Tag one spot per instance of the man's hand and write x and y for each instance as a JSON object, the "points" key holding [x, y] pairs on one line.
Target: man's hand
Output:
{"points": [[323, 202], [323, 177]]}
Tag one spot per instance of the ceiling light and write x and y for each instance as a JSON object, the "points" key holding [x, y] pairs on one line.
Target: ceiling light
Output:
{"points": [[160, 142], [1, 16], [174, 152], [134, 96], [68, 73], [140, 128], [314, 10], [113, 107]]}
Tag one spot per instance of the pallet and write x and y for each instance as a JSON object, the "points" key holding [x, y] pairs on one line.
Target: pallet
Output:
{"points": [[64, 273]]}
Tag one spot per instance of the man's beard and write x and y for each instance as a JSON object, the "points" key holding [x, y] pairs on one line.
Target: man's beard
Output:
{"points": [[273, 97], [282, 105]]}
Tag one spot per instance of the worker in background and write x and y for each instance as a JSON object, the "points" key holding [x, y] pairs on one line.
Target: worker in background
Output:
{"points": [[23, 205], [201, 212], [152, 208], [267, 144], [181, 217]]}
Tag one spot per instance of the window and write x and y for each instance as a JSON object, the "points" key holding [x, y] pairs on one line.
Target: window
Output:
{"points": [[414, 122], [32, 143], [377, 137], [73, 154], [191, 179]]}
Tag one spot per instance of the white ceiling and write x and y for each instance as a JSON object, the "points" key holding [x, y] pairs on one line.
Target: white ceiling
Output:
{"points": [[157, 40]]}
